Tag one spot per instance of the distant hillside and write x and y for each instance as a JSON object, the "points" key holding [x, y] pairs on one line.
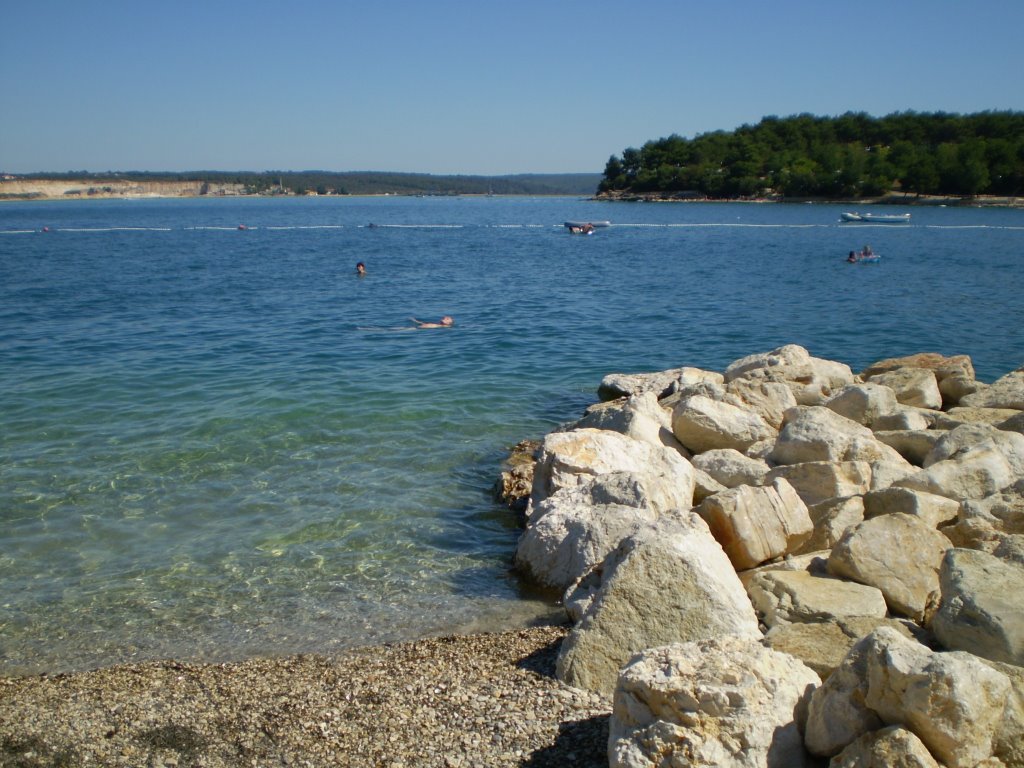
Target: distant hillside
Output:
{"points": [[84, 183]]}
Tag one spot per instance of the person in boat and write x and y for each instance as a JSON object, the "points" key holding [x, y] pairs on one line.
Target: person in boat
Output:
{"points": [[445, 322], [588, 228], [361, 269], [852, 258], [867, 251]]}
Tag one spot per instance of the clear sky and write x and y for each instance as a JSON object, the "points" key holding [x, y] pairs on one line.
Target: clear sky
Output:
{"points": [[467, 86]]}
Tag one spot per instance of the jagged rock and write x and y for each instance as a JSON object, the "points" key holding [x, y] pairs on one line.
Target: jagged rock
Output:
{"points": [[1005, 392], [1014, 423], [568, 459], [900, 555], [892, 747], [719, 703], [731, 468], [769, 399], [957, 442], [913, 386], [660, 383], [832, 518], [817, 481], [754, 525], [638, 416], [932, 509], [978, 471], [704, 485], [801, 597], [942, 366], [670, 582], [572, 530], [904, 418], [863, 403], [952, 701], [811, 380], [956, 387], [913, 445], [823, 645], [703, 424], [818, 434], [960, 415], [1011, 548], [981, 610], [515, 483], [1008, 743]]}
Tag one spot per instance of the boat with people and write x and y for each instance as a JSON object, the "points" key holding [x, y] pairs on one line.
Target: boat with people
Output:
{"points": [[853, 217]]}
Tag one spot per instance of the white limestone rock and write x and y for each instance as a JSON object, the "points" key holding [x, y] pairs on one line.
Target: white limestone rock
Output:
{"points": [[898, 554], [891, 747], [863, 403], [817, 481], [932, 509], [974, 473], [800, 597], [815, 433], [659, 383], [811, 380], [832, 518], [959, 441], [638, 416], [731, 468], [952, 701], [719, 703], [914, 445], [575, 528], [769, 399], [670, 582], [904, 418], [913, 386], [754, 525], [982, 609], [702, 424], [961, 415], [1005, 392], [569, 459]]}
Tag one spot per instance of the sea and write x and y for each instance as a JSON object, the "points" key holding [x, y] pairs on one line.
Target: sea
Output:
{"points": [[216, 441]]}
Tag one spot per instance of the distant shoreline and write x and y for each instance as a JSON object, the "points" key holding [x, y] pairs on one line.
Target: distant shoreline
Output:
{"points": [[895, 198]]}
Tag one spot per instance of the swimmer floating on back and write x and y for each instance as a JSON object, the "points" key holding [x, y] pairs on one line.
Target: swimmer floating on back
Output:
{"points": [[446, 322]]}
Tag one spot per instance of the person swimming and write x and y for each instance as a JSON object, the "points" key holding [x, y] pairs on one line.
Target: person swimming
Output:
{"points": [[361, 269], [445, 322]]}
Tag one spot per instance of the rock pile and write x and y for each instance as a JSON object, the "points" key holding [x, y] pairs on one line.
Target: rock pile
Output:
{"points": [[727, 541]]}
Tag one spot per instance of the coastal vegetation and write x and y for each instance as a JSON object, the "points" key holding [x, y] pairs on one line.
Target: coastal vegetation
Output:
{"points": [[345, 183], [850, 156]]}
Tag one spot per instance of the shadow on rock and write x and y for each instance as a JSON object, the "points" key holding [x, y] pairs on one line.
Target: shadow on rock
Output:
{"points": [[580, 744]]}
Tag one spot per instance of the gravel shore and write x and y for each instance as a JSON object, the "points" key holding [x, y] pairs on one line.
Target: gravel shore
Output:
{"points": [[486, 700]]}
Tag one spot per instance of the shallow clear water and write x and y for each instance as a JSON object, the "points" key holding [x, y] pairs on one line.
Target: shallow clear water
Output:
{"points": [[214, 442]]}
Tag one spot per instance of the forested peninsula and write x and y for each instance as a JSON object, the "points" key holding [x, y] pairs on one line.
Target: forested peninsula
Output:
{"points": [[853, 156], [87, 184]]}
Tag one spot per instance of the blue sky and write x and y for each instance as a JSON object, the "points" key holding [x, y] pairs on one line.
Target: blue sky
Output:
{"points": [[476, 87]]}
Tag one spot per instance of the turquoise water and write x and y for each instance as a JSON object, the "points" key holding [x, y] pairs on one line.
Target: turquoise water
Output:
{"points": [[214, 442]]}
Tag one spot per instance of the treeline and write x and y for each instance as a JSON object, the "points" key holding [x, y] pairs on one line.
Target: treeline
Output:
{"points": [[359, 182], [850, 156]]}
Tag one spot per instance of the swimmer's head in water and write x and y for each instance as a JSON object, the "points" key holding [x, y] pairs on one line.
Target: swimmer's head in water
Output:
{"points": [[447, 320]]}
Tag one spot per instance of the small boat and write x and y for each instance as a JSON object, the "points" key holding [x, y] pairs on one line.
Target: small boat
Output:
{"points": [[863, 257], [875, 218], [582, 224]]}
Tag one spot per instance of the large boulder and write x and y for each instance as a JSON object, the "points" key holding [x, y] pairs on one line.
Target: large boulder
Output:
{"points": [[769, 399], [932, 509], [952, 701], [719, 703], [1006, 392], [816, 433], [914, 445], [702, 424], [638, 416], [731, 468], [975, 472], [898, 554], [943, 367], [832, 518], [801, 597], [670, 582], [863, 403], [575, 528], [755, 525], [913, 386], [981, 610], [817, 481], [568, 459], [959, 441], [811, 380], [892, 747], [659, 383]]}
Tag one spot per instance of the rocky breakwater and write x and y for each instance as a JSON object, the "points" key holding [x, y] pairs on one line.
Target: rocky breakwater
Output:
{"points": [[786, 563]]}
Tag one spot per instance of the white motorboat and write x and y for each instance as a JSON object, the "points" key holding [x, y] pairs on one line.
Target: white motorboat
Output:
{"points": [[875, 218]]}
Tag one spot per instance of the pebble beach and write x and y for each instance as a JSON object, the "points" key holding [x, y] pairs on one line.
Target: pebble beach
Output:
{"points": [[483, 700]]}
